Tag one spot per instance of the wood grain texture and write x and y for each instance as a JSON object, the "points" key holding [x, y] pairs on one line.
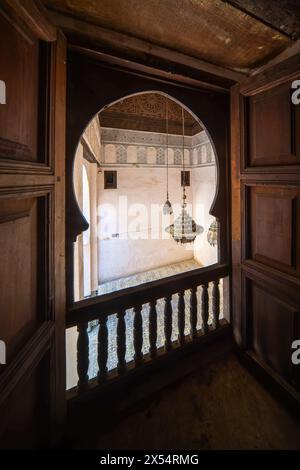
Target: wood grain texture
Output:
{"points": [[19, 117], [34, 16], [32, 226], [274, 217], [283, 15], [273, 330], [274, 123], [163, 25], [265, 220]]}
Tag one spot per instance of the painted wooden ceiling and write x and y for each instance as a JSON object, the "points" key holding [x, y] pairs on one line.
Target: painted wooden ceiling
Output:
{"points": [[239, 35], [148, 112]]}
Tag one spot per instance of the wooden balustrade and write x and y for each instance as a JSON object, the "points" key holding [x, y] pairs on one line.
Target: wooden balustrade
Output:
{"points": [[216, 303], [138, 334], [102, 349], [199, 287], [193, 312], [82, 355], [153, 329], [204, 307], [181, 317], [168, 311], [121, 341]]}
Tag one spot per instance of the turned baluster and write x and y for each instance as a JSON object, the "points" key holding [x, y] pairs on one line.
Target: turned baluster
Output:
{"points": [[153, 329], [82, 355], [168, 322], [138, 334], [102, 349], [193, 312], [204, 307], [121, 341], [181, 317], [216, 303]]}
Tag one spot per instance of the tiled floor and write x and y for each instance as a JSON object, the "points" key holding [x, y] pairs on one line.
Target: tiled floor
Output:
{"points": [[148, 276], [112, 320]]}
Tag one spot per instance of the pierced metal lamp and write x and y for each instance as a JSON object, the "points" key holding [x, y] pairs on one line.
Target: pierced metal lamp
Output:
{"points": [[184, 230]]}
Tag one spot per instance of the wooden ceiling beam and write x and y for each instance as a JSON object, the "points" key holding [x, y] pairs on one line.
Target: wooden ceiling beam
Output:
{"points": [[34, 16], [123, 42], [288, 69], [291, 51], [136, 68], [283, 16]]}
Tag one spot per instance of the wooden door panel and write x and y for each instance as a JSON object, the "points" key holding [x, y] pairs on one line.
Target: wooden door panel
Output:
{"points": [[25, 412], [265, 153], [273, 327], [18, 252], [24, 287], [273, 126], [19, 65], [272, 226], [32, 159]]}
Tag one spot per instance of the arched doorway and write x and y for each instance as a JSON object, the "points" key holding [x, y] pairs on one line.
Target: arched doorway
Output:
{"points": [[132, 325], [143, 150]]}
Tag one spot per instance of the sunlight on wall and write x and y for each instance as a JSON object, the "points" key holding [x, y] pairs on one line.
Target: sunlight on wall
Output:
{"points": [[127, 228], [86, 234]]}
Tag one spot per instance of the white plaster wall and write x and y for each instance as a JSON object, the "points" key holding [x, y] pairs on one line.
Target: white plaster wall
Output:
{"points": [[78, 261], [203, 184], [143, 243]]}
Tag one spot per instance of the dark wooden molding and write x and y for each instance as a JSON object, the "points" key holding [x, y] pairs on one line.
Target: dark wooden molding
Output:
{"points": [[288, 69], [294, 49], [26, 359], [9, 149], [13, 217], [34, 16], [160, 73], [123, 42], [9, 166]]}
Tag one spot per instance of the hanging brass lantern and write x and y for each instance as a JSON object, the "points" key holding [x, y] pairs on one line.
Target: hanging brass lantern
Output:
{"points": [[184, 230]]}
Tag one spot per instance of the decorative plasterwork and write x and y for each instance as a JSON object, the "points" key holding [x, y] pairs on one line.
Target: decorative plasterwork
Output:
{"points": [[130, 137], [127, 147], [147, 112]]}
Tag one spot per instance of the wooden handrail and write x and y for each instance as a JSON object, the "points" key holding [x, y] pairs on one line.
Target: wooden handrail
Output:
{"points": [[96, 307]]}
